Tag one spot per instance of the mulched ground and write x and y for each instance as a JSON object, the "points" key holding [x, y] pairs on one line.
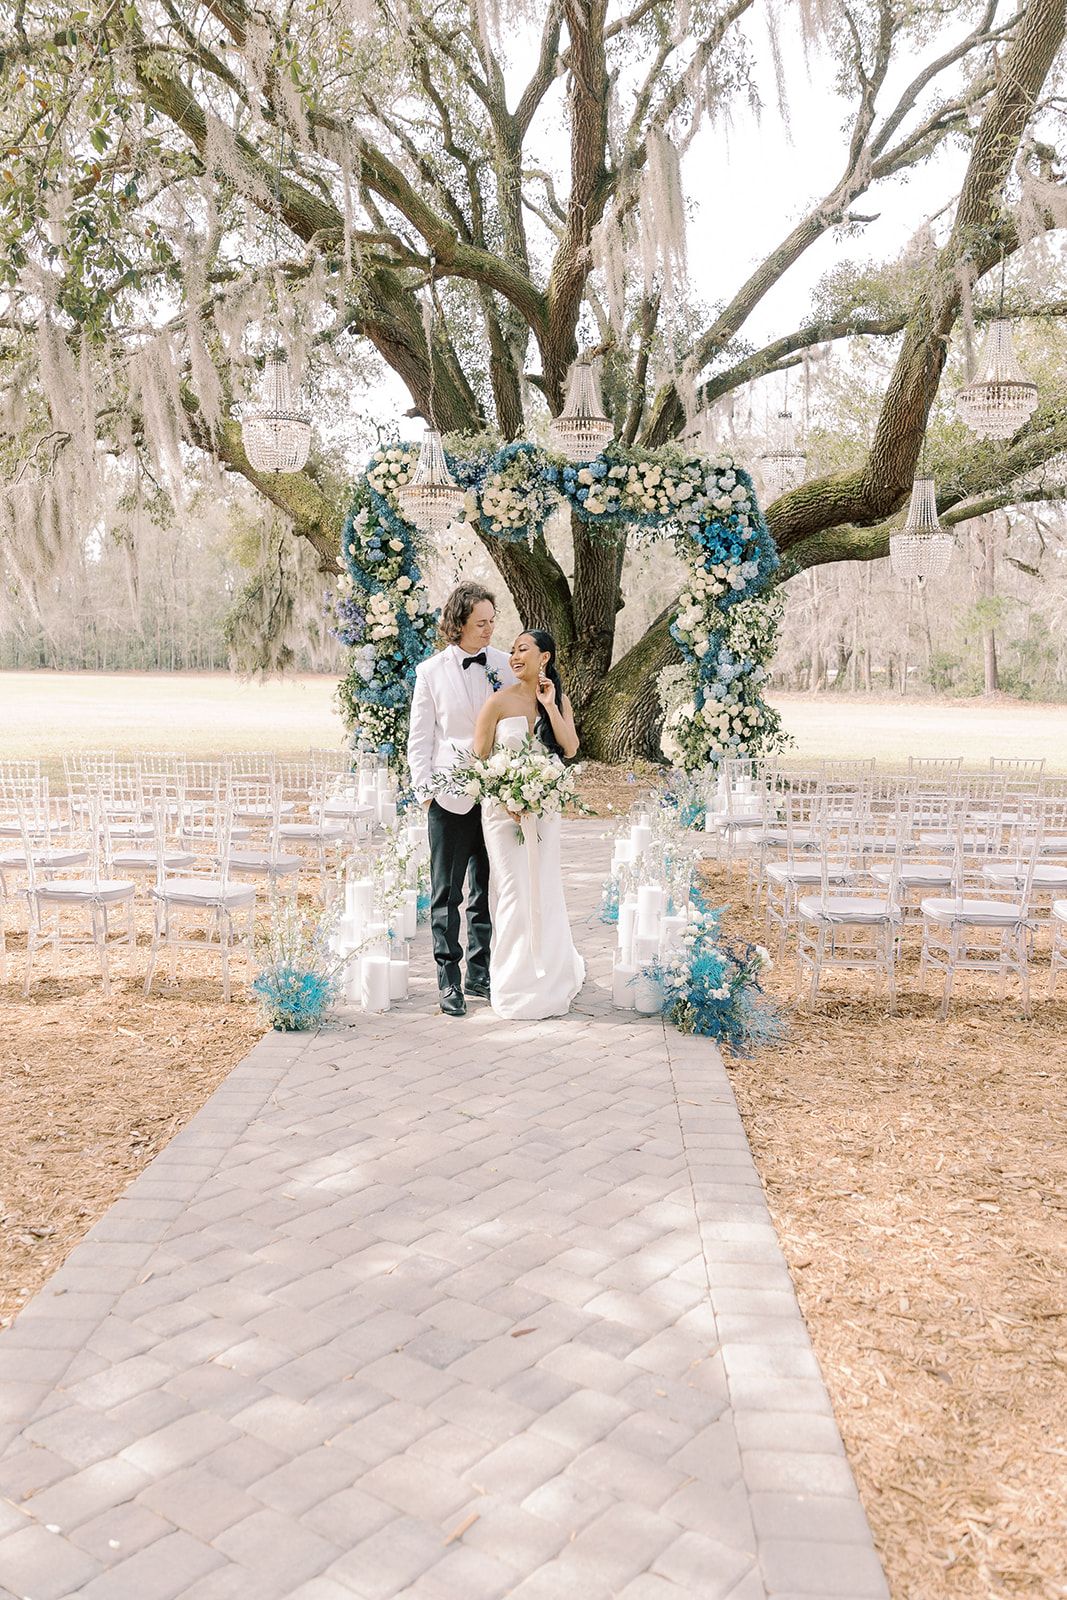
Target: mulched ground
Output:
{"points": [[917, 1173]]}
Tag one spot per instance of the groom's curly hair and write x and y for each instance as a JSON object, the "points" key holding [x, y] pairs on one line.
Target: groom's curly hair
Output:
{"points": [[457, 609]]}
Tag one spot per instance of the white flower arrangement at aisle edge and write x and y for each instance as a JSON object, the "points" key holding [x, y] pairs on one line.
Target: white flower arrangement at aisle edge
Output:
{"points": [[527, 780]]}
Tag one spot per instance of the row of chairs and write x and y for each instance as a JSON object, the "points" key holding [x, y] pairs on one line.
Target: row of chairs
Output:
{"points": [[200, 839], [846, 860]]}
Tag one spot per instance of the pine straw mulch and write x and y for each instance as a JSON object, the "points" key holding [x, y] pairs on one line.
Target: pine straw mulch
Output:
{"points": [[917, 1175]]}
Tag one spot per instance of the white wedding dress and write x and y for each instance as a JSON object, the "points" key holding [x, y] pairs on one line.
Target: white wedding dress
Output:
{"points": [[534, 969]]}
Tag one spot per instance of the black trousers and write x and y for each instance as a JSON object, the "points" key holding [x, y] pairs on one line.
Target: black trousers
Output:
{"points": [[457, 857]]}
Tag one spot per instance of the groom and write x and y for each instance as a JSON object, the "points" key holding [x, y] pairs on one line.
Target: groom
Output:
{"points": [[450, 690]]}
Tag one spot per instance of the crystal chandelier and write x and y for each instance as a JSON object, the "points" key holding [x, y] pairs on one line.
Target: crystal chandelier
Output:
{"points": [[581, 430], [1002, 397], [922, 549], [275, 432], [785, 464], [433, 499]]}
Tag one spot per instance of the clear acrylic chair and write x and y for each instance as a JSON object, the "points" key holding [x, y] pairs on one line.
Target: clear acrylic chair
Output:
{"points": [[261, 858], [1040, 825], [804, 866], [977, 928], [771, 842], [53, 900], [309, 828], [935, 771], [737, 809], [202, 901], [848, 930]]}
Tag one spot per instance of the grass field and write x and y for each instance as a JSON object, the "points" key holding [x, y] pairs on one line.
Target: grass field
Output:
{"points": [[200, 714], [203, 714]]}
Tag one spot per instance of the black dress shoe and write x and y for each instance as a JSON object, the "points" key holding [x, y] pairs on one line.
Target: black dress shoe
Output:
{"points": [[478, 987], [452, 1003]]}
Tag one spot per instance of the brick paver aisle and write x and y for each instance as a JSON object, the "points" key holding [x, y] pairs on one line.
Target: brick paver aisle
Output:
{"points": [[448, 1309]]}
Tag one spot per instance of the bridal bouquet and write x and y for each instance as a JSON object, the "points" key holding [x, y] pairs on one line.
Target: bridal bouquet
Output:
{"points": [[527, 779]]}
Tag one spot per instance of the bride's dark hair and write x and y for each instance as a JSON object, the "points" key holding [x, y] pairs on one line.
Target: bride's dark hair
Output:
{"points": [[543, 726]]}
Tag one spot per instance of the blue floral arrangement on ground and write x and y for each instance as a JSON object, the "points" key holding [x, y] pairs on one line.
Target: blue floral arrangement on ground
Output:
{"points": [[725, 626], [711, 987], [298, 976]]}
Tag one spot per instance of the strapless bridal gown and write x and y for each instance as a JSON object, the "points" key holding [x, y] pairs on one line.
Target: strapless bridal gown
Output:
{"points": [[529, 976]]}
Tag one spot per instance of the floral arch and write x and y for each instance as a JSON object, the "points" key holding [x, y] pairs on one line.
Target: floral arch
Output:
{"points": [[727, 617]]}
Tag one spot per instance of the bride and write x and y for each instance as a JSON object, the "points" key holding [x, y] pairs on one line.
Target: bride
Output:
{"points": [[534, 969]]}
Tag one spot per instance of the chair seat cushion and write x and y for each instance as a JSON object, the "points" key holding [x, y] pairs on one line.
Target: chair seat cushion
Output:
{"points": [[207, 892], [312, 831], [148, 860], [1013, 874], [44, 860], [917, 877], [990, 913], [259, 861], [341, 807], [778, 872], [1059, 910], [82, 891], [779, 837], [846, 908]]}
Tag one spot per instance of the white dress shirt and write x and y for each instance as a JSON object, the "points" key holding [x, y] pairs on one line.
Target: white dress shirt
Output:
{"points": [[444, 710]]}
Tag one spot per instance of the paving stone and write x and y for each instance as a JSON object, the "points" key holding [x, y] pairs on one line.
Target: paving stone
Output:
{"points": [[797, 1472], [306, 1480], [348, 1517], [286, 1552], [381, 1566], [120, 1532], [42, 1565], [164, 1570], [703, 1566], [200, 1501], [824, 1518], [87, 1493], [79, 1435], [802, 1567]]}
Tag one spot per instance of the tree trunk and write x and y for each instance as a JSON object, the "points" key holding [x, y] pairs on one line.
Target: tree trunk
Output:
{"points": [[985, 585], [622, 718]]}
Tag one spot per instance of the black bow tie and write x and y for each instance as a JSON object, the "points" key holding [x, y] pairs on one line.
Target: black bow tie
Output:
{"points": [[469, 661]]}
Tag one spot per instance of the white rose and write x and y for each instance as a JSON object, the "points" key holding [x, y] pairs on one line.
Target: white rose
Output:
{"points": [[403, 583]]}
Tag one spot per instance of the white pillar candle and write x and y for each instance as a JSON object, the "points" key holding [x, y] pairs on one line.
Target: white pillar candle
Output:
{"points": [[387, 811], [622, 975], [646, 950], [359, 904], [376, 937], [411, 913], [648, 995], [397, 923], [627, 919], [649, 905], [353, 981], [640, 838], [415, 836], [623, 851], [671, 930], [381, 777], [398, 976], [375, 985]]}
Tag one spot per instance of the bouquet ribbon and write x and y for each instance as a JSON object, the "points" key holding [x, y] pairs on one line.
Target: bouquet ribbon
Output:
{"points": [[533, 862]]}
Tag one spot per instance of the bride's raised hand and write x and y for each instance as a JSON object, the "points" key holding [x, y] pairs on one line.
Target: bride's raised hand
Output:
{"points": [[546, 692]]}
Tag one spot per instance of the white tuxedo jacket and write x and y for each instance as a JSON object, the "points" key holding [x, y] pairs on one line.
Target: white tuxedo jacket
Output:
{"points": [[444, 709]]}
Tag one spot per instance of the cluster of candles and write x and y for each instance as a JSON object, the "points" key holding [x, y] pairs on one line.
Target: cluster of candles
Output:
{"points": [[647, 931], [368, 796], [373, 933]]}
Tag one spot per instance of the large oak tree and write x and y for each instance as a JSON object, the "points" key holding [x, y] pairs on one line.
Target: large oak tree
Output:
{"points": [[471, 191]]}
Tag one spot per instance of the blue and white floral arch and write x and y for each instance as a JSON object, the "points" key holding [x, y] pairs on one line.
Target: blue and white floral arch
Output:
{"points": [[727, 616]]}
